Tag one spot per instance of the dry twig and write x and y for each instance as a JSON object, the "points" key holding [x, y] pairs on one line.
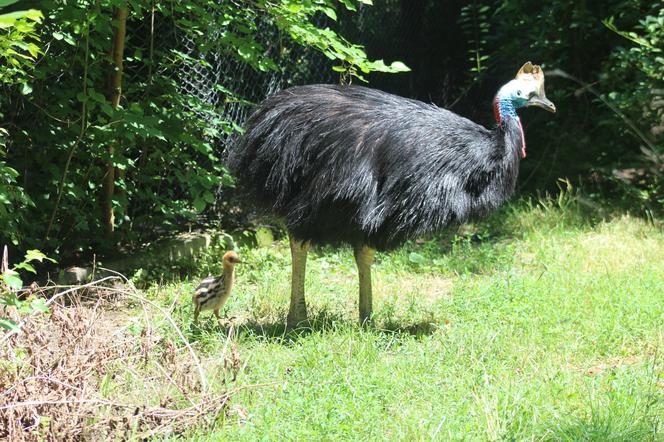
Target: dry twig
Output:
{"points": [[63, 374]]}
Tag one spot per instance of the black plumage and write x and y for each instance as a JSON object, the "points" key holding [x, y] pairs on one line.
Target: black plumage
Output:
{"points": [[349, 164], [352, 164], [213, 291], [209, 291]]}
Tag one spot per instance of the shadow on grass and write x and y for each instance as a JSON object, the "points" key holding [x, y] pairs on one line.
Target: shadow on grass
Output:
{"points": [[417, 329], [321, 321]]}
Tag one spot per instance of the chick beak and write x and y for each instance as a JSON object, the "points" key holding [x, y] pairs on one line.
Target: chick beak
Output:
{"points": [[542, 102]]}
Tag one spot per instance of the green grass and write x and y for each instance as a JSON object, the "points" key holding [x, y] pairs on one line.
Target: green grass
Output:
{"points": [[538, 324]]}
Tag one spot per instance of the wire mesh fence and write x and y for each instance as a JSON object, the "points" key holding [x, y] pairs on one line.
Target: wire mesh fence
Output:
{"points": [[211, 73], [210, 80]]}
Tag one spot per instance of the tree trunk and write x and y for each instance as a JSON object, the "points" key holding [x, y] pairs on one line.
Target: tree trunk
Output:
{"points": [[114, 94]]}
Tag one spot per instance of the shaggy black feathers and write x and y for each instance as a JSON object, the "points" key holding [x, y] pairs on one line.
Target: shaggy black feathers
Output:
{"points": [[360, 166]]}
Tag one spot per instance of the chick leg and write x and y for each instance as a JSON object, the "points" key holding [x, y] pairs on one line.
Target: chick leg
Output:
{"points": [[197, 311], [298, 306], [364, 256]]}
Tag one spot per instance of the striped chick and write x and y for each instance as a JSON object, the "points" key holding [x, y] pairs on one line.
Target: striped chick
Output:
{"points": [[213, 292]]}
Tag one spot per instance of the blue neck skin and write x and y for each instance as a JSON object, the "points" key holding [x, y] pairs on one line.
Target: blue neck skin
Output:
{"points": [[507, 108], [508, 99], [505, 105]]}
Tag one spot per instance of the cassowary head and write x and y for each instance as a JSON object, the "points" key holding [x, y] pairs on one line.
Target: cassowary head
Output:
{"points": [[231, 258], [527, 89]]}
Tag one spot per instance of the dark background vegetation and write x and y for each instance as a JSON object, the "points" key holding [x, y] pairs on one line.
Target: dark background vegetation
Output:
{"points": [[586, 141], [193, 69]]}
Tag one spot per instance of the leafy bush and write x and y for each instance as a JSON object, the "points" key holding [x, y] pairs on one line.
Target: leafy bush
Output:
{"points": [[18, 49], [18, 52], [10, 282], [119, 152], [634, 74]]}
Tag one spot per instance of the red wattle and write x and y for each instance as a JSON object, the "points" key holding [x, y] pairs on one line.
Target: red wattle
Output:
{"points": [[523, 139], [496, 110]]}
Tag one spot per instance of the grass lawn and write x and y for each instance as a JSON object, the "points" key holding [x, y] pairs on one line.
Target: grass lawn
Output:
{"points": [[534, 325], [542, 323]]}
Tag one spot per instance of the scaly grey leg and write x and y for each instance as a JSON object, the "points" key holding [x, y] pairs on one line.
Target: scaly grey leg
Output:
{"points": [[364, 257], [298, 306]]}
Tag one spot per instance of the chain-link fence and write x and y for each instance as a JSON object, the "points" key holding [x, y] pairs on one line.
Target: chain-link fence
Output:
{"points": [[209, 81], [395, 31]]}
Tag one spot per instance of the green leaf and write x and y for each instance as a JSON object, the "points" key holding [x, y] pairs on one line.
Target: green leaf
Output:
{"points": [[330, 13], [199, 204], [34, 50], [25, 266], [294, 8], [10, 299], [106, 108], [4, 3], [208, 197], [349, 4], [398, 66], [36, 255], [26, 89], [96, 96], [39, 305], [70, 40], [12, 280], [8, 324], [416, 258], [8, 20]]}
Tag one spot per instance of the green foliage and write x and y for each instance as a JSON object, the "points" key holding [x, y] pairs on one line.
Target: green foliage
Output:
{"points": [[559, 345], [606, 84], [18, 50], [13, 198], [633, 74], [165, 145], [474, 20], [10, 281], [293, 17]]}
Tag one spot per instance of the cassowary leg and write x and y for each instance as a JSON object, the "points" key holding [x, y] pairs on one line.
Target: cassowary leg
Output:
{"points": [[364, 258], [298, 306]]}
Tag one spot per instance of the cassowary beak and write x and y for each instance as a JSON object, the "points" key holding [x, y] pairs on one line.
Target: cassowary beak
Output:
{"points": [[542, 102]]}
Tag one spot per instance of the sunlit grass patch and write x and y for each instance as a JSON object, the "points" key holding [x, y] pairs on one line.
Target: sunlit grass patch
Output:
{"points": [[540, 323]]}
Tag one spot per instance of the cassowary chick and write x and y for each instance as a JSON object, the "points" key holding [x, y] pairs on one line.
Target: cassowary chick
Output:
{"points": [[213, 292]]}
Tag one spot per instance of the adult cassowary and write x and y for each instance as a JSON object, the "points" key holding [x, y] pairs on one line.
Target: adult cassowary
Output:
{"points": [[349, 164]]}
